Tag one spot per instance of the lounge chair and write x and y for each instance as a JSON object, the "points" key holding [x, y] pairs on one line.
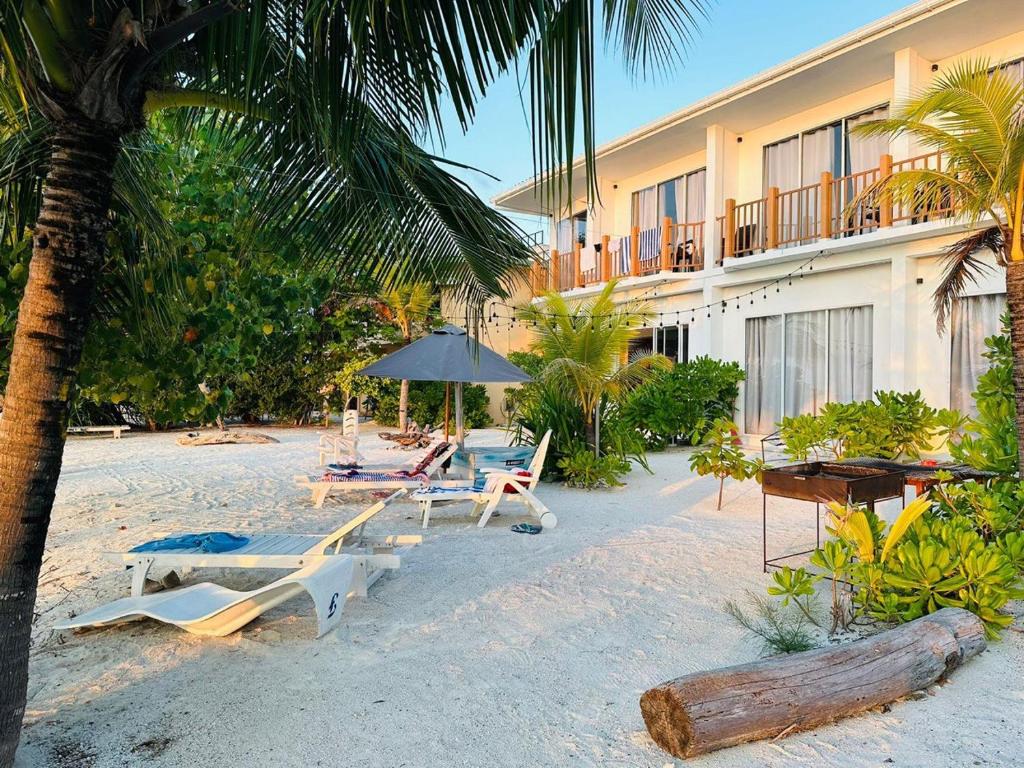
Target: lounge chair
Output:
{"points": [[371, 555], [341, 448], [212, 610], [372, 479], [498, 484]]}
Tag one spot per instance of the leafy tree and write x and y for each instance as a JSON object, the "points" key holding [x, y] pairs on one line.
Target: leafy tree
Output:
{"points": [[971, 113], [407, 306], [326, 101], [584, 345], [722, 457]]}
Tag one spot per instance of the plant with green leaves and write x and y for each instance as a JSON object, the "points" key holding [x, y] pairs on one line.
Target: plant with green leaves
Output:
{"points": [[779, 628], [990, 439], [326, 102], [680, 403], [582, 469], [971, 115], [995, 508], [584, 344], [921, 563], [722, 456]]}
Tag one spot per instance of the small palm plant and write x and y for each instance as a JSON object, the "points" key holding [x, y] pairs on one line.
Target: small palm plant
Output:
{"points": [[585, 346], [406, 306], [973, 114]]}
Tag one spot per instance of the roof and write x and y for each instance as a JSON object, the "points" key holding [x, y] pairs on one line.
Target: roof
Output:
{"points": [[937, 29]]}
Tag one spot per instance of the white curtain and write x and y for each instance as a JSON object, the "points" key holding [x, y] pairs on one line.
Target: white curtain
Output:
{"points": [[850, 354], [671, 199], [762, 396], [973, 319], [695, 184], [820, 153], [645, 208], [782, 165], [1014, 70], [565, 235], [864, 152], [806, 388]]}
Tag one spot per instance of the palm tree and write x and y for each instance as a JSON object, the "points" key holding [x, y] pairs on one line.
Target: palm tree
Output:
{"points": [[585, 347], [327, 101], [407, 306], [972, 114]]}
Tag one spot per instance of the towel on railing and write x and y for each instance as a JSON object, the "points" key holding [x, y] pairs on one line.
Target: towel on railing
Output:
{"points": [[650, 243], [626, 247], [588, 258], [614, 244], [215, 541]]}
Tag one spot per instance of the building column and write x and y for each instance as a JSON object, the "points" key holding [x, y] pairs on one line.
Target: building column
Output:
{"points": [[903, 272], [911, 74], [721, 162]]}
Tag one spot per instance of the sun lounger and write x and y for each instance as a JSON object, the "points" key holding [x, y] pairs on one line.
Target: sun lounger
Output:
{"points": [[113, 429], [371, 555], [499, 484], [371, 479], [212, 610]]}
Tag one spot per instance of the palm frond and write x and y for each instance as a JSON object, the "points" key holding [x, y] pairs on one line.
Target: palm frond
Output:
{"points": [[963, 267]]}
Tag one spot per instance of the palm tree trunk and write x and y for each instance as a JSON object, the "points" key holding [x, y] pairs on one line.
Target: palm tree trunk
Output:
{"points": [[1015, 301], [403, 406], [67, 255]]}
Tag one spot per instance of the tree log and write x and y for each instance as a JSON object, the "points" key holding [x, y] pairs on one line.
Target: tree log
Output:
{"points": [[705, 711]]}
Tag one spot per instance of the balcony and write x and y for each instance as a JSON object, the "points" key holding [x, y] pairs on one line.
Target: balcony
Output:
{"points": [[833, 208]]}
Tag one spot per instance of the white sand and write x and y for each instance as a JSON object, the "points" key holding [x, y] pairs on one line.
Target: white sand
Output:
{"points": [[488, 649]]}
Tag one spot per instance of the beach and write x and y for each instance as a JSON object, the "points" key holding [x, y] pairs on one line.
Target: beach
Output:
{"points": [[488, 648]]}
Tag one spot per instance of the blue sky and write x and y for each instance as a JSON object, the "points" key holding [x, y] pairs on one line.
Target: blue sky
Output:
{"points": [[739, 39]]}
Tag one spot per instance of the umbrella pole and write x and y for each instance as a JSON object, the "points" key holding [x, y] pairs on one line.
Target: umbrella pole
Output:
{"points": [[459, 431], [447, 408]]}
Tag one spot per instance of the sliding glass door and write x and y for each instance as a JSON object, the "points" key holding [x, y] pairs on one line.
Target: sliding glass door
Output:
{"points": [[799, 361]]}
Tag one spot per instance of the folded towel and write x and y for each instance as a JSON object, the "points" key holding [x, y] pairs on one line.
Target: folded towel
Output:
{"points": [[216, 541]]}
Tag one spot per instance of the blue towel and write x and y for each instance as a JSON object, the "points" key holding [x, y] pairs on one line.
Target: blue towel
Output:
{"points": [[217, 541]]}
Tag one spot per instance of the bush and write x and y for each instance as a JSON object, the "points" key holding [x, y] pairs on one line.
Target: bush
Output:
{"points": [[939, 553], [991, 439], [894, 425], [426, 405], [582, 469], [681, 403]]}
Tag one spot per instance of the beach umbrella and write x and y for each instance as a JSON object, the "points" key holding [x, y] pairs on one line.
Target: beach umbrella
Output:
{"points": [[450, 355]]}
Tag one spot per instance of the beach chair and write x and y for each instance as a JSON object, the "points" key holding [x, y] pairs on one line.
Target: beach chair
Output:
{"points": [[371, 555], [216, 611], [498, 484], [373, 479], [343, 448]]}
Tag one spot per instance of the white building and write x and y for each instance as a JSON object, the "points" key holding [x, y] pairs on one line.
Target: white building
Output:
{"points": [[817, 304]]}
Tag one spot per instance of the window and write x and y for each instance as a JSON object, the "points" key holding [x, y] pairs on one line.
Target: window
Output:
{"points": [[681, 199], [570, 231], [799, 361], [669, 340], [973, 319], [800, 160], [1014, 69]]}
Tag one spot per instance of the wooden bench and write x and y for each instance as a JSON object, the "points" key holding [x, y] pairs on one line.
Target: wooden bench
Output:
{"points": [[115, 429]]}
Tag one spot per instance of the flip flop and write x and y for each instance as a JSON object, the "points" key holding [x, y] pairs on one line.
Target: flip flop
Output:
{"points": [[533, 530]]}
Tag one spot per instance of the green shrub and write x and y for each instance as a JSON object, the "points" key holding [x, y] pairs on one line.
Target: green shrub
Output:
{"points": [[991, 439], [682, 402], [426, 405], [928, 559], [723, 457], [895, 425], [582, 469]]}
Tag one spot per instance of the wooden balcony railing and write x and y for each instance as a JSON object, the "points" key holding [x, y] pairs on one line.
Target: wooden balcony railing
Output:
{"points": [[831, 208]]}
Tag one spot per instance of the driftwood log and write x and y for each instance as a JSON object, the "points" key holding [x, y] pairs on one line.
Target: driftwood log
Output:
{"points": [[705, 711]]}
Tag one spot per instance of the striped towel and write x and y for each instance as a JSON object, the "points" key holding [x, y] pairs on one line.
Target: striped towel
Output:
{"points": [[650, 243], [625, 249], [355, 476]]}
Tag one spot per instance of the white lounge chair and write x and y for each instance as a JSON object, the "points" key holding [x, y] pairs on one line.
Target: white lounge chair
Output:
{"points": [[209, 609], [378, 479], [515, 485], [371, 555], [343, 448]]}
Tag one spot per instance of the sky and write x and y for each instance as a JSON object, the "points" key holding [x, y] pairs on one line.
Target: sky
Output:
{"points": [[738, 39]]}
